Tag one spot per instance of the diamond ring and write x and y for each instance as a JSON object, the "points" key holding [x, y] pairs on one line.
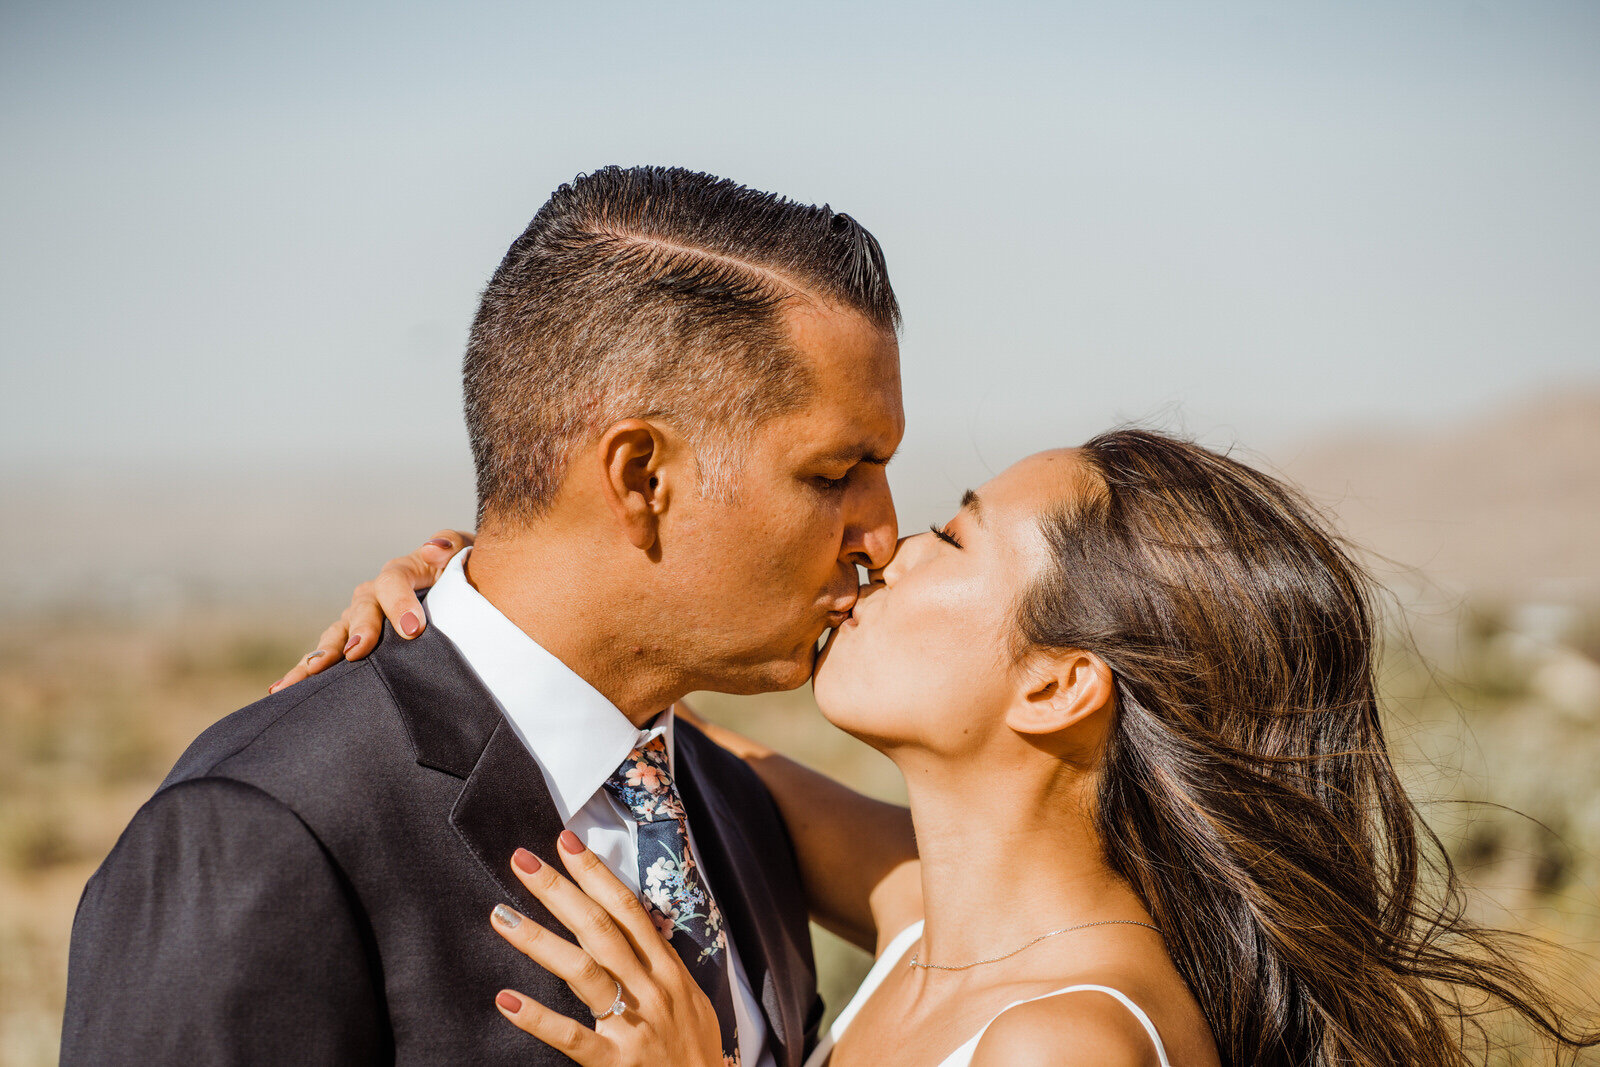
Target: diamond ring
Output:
{"points": [[617, 1006]]}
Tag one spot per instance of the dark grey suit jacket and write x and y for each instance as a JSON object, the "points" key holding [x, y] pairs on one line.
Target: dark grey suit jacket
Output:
{"points": [[312, 884]]}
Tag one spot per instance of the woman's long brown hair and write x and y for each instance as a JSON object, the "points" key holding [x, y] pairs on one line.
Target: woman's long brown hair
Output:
{"points": [[1246, 790]]}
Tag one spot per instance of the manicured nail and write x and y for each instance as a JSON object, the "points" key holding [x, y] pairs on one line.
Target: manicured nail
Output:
{"points": [[409, 624], [509, 1002], [570, 842], [273, 688], [525, 861], [440, 542], [318, 654], [352, 643], [507, 918]]}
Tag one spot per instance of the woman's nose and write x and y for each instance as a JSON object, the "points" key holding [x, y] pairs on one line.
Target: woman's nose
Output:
{"points": [[891, 570]]}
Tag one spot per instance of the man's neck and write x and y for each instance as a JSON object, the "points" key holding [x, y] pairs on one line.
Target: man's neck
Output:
{"points": [[568, 609]]}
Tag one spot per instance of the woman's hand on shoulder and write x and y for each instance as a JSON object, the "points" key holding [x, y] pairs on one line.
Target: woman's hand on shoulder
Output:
{"points": [[1081, 1029], [392, 594]]}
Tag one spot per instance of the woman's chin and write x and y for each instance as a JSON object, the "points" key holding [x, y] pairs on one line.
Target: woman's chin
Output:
{"points": [[839, 685], [827, 653], [830, 678]]}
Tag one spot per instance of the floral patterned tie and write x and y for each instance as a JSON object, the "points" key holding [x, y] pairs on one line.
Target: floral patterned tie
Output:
{"points": [[674, 892]]}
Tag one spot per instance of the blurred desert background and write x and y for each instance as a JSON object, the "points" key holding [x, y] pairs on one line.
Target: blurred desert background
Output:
{"points": [[1356, 240], [1485, 529]]}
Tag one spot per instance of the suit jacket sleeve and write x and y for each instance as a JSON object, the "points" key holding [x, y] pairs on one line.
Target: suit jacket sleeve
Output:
{"points": [[218, 931]]}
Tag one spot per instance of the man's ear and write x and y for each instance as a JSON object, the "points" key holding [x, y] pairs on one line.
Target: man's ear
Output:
{"points": [[634, 486], [1061, 690]]}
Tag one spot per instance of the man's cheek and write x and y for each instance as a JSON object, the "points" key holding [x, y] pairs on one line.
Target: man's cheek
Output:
{"points": [[793, 551], [819, 537]]}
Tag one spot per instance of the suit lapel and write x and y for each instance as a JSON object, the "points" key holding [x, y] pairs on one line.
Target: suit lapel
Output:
{"points": [[505, 806], [456, 727], [732, 862]]}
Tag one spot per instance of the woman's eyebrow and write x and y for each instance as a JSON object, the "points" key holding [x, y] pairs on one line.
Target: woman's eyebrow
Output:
{"points": [[970, 502]]}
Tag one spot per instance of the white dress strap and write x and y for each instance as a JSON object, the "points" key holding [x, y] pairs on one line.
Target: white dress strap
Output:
{"points": [[962, 1056], [895, 952]]}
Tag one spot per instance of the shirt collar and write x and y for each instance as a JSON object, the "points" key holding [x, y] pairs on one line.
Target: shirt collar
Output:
{"points": [[573, 732]]}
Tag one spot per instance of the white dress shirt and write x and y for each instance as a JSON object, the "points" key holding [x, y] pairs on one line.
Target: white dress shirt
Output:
{"points": [[578, 738]]}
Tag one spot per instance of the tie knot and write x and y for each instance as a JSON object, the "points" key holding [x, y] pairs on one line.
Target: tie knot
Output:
{"points": [[643, 784]]}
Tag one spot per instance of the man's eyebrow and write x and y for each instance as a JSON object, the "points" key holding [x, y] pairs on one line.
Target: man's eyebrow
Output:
{"points": [[970, 501], [859, 453]]}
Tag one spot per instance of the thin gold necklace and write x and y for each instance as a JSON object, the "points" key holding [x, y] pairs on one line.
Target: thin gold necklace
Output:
{"points": [[914, 962]]}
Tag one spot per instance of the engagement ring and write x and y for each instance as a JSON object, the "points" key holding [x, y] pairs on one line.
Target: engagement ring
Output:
{"points": [[617, 1006]]}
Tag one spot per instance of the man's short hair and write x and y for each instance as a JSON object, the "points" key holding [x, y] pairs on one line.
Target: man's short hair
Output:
{"points": [[651, 292]]}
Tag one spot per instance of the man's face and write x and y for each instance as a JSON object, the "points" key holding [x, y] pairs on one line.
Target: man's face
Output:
{"points": [[763, 577]]}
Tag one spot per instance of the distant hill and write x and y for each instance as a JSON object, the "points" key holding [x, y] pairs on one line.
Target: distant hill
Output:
{"points": [[1506, 503]]}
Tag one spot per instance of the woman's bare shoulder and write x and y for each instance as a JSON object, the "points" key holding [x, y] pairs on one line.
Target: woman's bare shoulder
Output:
{"points": [[1076, 1029]]}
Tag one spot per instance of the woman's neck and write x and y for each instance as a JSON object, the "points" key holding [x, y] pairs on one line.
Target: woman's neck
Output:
{"points": [[1008, 852]]}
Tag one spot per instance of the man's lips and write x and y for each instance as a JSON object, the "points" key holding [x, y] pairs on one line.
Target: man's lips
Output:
{"points": [[844, 620]]}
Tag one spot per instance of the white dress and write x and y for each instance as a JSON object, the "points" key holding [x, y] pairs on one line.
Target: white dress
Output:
{"points": [[893, 956]]}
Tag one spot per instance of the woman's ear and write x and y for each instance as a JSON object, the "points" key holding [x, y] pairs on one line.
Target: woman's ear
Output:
{"points": [[635, 485], [1061, 690]]}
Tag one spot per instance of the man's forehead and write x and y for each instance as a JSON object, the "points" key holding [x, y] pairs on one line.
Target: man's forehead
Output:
{"points": [[865, 423], [839, 342]]}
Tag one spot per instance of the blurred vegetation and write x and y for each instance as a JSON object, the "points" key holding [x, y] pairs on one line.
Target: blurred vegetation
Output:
{"points": [[1495, 718]]}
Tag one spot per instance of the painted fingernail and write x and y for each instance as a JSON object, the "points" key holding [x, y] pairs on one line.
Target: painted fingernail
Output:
{"points": [[525, 861], [273, 688], [440, 542], [409, 624], [509, 1002], [318, 654], [507, 918], [570, 842], [352, 643]]}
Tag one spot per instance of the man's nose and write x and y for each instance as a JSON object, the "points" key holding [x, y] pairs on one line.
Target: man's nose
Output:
{"points": [[871, 530]]}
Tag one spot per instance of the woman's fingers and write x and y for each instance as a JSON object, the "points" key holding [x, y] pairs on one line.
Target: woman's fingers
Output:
{"points": [[397, 584], [666, 1017], [298, 673], [393, 593], [606, 889], [329, 650], [589, 981], [597, 932], [446, 543], [363, 622], [566, 1036]]}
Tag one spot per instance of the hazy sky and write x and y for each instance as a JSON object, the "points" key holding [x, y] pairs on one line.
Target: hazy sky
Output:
{"points": [[257, 232]]}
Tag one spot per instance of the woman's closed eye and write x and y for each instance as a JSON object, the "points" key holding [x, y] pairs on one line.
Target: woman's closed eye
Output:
{"points": [[945, 535]]}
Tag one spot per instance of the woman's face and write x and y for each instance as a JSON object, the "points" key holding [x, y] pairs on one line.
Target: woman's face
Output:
{"points": [[927, 656]]}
